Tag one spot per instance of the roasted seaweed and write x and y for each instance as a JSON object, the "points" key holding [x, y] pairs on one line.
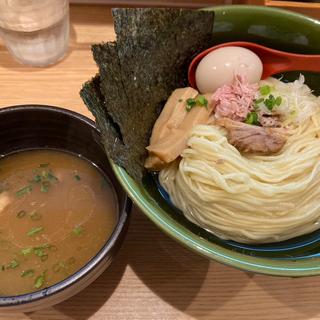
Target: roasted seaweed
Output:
{"points": [[137, 74]]}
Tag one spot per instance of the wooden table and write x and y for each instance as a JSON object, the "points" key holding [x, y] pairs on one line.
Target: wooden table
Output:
{"points": [[153, 277]]}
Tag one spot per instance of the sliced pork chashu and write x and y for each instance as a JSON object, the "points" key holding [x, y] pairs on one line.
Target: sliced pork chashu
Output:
{"points": [[253, 139]]}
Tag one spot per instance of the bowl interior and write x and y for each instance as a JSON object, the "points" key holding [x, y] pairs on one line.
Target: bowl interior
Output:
{"points": [[278, 29], [44, 127]]}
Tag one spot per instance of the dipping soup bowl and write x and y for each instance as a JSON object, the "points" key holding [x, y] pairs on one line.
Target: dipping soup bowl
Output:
{"points": [[30, 127]]}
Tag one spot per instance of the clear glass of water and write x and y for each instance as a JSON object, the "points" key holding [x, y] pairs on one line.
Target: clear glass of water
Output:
{"points": [[36, 32]]}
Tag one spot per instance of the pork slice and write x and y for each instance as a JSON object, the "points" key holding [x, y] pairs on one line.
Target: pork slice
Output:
{"points": [[270, 120], [235, 101], [253, 139]]}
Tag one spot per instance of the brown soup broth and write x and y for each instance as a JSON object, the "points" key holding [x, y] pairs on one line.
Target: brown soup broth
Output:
{"points": [[56, 212]]}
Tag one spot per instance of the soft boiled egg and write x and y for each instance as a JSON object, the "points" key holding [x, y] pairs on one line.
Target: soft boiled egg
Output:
{"points": [[220, 66]]}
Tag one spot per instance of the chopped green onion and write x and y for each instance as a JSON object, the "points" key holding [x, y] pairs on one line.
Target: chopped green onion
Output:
{"points": [[37, 178], [258, 101], [45, 177], [27, 273], [265, 90], [24, 190], [21, 214], [77, 177], [78, 230], [51, 176], [278, 101], [39, 252], [44, 186], [27, 251], [38, 283], [202, 101], [44, 174], [13, 264], [34, 231], [252, 118], [270, 102], [190, 104], [43, 165], [34, 215]]}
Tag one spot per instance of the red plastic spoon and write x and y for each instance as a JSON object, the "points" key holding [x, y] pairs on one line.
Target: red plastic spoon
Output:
{"points": [[273, 61]]}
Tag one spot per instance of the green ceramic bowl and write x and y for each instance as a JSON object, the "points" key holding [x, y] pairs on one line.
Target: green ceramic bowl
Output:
{"points": [[278, 29]]}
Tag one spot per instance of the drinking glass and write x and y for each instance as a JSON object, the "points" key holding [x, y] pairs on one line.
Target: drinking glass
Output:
{"points": [[36, 32]]}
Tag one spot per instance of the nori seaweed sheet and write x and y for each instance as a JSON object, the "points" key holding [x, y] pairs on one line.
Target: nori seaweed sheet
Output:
{"points": [[138, 72], [111, 135]]}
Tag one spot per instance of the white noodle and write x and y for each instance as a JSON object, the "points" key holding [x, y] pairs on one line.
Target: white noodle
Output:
{"points": [[250, 199]]}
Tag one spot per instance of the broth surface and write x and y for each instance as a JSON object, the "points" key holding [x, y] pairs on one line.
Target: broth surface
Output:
{"points": [[56, 213]]}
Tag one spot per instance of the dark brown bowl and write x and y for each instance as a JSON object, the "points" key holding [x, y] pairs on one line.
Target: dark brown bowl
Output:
{"points": [[44, 127]]}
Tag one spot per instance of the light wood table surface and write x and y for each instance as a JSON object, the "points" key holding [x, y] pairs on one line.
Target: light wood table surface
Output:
{"points": [[153, 277]]}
